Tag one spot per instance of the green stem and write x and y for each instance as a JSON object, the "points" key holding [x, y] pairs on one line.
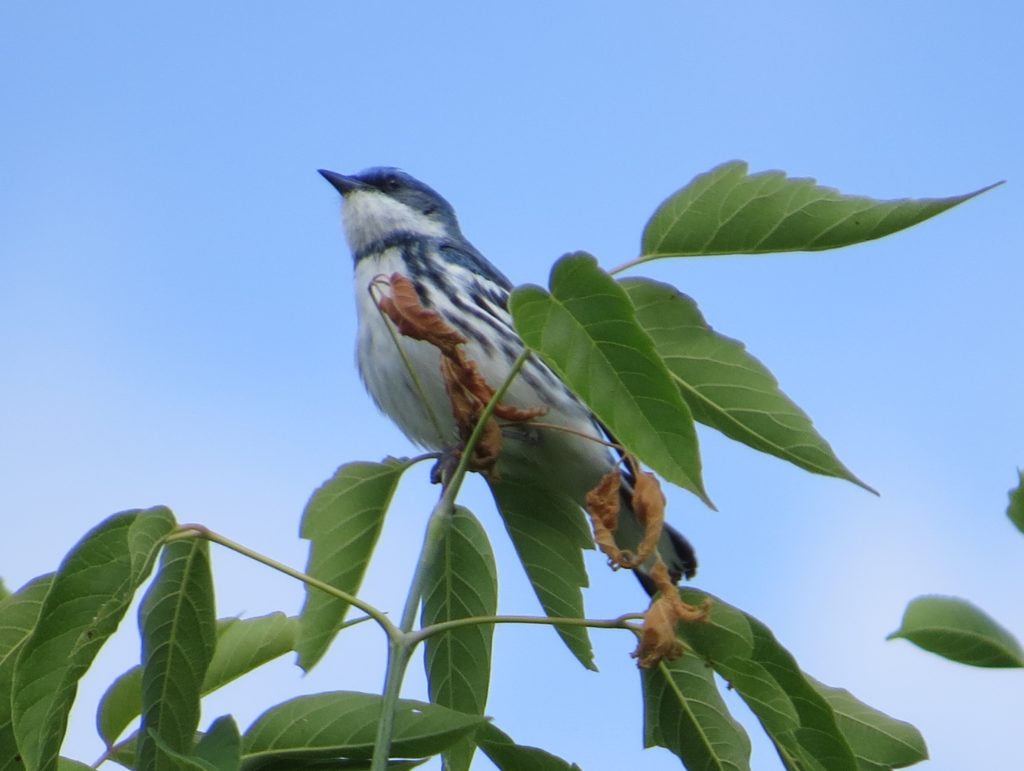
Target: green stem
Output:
{"points": [[627, 265], [622, 622], [402, 647], [201, 531], [399, 653]]}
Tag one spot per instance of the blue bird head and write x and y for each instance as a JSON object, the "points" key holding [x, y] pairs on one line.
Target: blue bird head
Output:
{"points": [[383, 202]]}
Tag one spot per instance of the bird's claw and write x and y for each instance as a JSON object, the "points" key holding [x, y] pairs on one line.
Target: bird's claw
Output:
{"points": [[447, 462]]}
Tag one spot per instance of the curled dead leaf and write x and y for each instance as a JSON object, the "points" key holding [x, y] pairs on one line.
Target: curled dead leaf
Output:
{"points": [[412, 319], [649, 506], [603, 503], [469, 393], [658, 640]]}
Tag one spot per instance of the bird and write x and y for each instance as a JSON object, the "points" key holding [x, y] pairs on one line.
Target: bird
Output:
{"points": [[394, 223]]}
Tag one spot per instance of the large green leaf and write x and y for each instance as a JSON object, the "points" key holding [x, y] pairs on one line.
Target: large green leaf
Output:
{"points": [[242, 646], [1015, 510], [957, 630], [586, 330], [879, 742], [798, 719], [549, 534], [343, 724], [684, 712], [90, 594], [18, 615], [461, 583], [727, 211], [509, 756], [343, 521], [179, 631], [725, 387]]}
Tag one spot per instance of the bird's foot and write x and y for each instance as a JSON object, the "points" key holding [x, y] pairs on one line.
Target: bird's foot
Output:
{"points": [[447, 462]]}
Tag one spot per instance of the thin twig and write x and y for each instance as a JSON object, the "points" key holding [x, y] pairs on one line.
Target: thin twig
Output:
{"points": [[567, 430], [201, 531], [627, 265], [622, 622]]}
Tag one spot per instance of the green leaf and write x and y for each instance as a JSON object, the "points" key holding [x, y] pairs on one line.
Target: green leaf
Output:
{"points": [[90, 594], [179, 631], [343, 521], [461, 583], [1015, 511], [119, 706], [877, 740], [67, 764], [291, 764], [18, 615], [221, 746], [172, 758], [684, 712], [343, 724], [217, 750], [799, 721], [959, 631], [727, 211], [509, 756], [586, 331], [242, 646], [245, 644], [725, 387], [549, 534]]}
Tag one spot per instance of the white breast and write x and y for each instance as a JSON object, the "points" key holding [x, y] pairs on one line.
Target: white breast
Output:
{"points": [[417, 404]]}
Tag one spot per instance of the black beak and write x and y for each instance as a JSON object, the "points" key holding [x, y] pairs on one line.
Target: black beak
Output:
{"points": [[341, 183]]}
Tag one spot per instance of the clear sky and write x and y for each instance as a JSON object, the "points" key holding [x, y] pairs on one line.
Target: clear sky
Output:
{"points": [[177, 324]]}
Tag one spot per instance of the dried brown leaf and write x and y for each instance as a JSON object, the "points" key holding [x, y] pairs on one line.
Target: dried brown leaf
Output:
{"points": [[462, 382], [404, 308], [468, 391], [518, 414], [603, 503], [649, 507], [658, 636], [658, 639]]}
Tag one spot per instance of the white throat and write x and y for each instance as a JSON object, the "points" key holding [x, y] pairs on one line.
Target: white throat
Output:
{"points": [[370, 215]]}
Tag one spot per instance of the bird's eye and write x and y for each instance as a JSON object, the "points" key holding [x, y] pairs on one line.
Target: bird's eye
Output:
{"points": [[430, 210], [391, 184]]}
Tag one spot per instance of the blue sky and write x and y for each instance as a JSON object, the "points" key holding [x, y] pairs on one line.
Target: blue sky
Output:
{"points": [[176, 316]]}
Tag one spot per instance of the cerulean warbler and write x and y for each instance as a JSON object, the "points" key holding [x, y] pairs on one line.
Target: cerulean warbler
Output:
{"points": [[396, 224]]}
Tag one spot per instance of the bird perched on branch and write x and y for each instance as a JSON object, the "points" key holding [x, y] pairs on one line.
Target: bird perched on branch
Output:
{"points": [[396, 224]]}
